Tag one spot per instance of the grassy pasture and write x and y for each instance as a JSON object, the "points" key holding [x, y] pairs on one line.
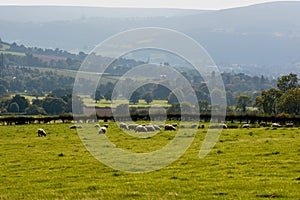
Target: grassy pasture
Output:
{"points": [[259, 163], [88, 101]]}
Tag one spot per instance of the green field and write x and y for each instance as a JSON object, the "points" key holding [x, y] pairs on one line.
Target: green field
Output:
{"points": [[258, 163], [13, 53], [103, 103]]}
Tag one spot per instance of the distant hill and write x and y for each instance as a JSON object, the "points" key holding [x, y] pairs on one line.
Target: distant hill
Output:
{"points": [[263, 38]]}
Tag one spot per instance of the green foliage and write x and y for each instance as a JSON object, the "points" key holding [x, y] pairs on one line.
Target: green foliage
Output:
{"points": [[290, 102], [148, 97], [288, 82], [14, 107], [134, 99], [242, 102]]}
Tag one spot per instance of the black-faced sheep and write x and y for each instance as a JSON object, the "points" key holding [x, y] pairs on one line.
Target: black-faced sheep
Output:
{"points": [[75, 126], [102, 130], [169, 127], [97, 125], [105, 125], [41, 132], [141, 128]]}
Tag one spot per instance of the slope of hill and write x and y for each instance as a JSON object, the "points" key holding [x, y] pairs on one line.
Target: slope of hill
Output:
{"points": [[265, 35]]}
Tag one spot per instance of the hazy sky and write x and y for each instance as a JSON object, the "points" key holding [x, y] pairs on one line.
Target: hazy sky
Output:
{"points": [[194, 4]]}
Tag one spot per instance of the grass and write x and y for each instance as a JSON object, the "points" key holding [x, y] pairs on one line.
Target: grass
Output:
{"points": [[13, 53], [88, 101], [255, 163]]}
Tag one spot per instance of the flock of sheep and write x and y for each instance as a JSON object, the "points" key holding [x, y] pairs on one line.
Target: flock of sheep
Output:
{"points": [[151, 127]]}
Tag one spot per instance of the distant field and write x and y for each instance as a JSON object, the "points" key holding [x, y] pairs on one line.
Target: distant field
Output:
{"points": [[103, 103], [13, 53], [260, 163], [4, 47]]}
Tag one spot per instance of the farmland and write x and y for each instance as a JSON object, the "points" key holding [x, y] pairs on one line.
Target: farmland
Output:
{"points": [[256, 163]]}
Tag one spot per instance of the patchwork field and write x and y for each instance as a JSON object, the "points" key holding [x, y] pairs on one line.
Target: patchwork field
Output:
{"points": [[258, 163]]}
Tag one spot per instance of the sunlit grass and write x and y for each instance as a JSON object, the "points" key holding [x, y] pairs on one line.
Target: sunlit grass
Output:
{"points": [[258, 163]]}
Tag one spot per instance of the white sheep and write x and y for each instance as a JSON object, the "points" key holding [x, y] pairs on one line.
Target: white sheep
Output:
{"points": [[141, 128], [246, 126], [150, 128], [132, 126], [123, 126]]}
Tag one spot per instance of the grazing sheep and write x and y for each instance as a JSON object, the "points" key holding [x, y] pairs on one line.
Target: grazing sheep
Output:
{"points": [[132, 126], [276, 125], [262, 124], [194, 126], [141, 128], [175, 125], [41, 132], [75, 126], [223, 126], [150, 128], [105, 125], [123, 126], [102, 130], [246, 126], [97, 125], [157, 128], [169, 127], [289, 125]]}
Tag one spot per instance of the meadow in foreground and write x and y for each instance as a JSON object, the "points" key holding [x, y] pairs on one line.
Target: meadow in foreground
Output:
{"points": [[257, 163]]}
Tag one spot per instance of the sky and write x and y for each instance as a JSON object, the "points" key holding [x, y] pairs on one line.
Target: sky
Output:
{"points": [[186, 4]]}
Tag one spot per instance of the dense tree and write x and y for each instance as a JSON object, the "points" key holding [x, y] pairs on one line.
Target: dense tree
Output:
{"points": [[34, 110], [172, 99], [290, 102], [54, 105], [288, 82], [134, 99], [268, 101], [242, 102], [14, 107], [148, 97], [21, 101]]}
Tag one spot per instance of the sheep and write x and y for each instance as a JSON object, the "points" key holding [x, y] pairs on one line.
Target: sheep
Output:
{"points": [[123, 126], [132, 126], [141, 128], [194, 126], [169, 127], [223, 126], [41, 132], [75, 126], [97, 126], [289, 125], [175, 125], [246, 126], [157, 128], [276, 125], [150, 128], [105, 125], [102, 130]]}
